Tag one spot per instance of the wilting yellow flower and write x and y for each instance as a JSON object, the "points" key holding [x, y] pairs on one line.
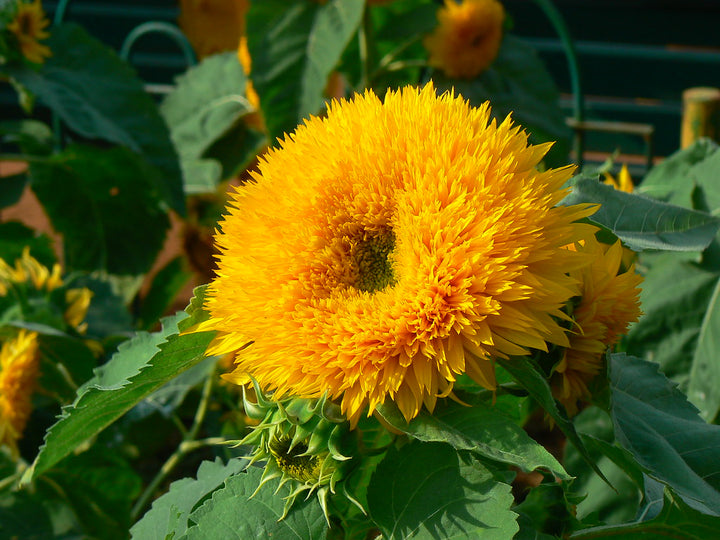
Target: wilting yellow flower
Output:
{"points": [[213, 26], [384, 250], [29, 28], [609, 302], [467, 38], [29, 272], [624, 181], [19, 369]]}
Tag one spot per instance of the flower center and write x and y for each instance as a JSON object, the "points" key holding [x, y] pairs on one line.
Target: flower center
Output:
{"points": [[371, 258], [304, 468]]}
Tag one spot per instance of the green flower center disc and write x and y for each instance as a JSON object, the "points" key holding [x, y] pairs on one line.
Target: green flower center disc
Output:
{"points": [[371, 258]]}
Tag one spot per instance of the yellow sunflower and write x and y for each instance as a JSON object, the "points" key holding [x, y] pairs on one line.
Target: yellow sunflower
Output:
{"points": [[19, 370], [609, 302], [29, 29], [467, 38], [389, 247], [213, 26], [624, 180], [28, 271]]}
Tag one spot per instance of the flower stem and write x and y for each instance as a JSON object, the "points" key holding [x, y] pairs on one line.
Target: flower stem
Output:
{"points": [[366, 40], [188, 444]]}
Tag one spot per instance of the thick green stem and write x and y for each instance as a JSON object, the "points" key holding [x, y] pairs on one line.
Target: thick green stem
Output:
{"points": [[561, 29], [366, 40]]}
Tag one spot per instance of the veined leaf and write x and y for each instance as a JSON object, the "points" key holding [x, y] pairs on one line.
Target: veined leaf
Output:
{"points": [[480, 428], [169, 514], [141, 366], [676, 521], [704, 387], [231, 513], [656, 423], [294, 46], [426, 491], [99, 96], [674, 297], [108, 211], [528, 375], [644, 223], [206, 106]]}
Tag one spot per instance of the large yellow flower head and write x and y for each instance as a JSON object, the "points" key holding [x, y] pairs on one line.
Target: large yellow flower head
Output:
{"points": [[609, 302], [28, 26], [19, 369], [388, 248], [467, 38]]}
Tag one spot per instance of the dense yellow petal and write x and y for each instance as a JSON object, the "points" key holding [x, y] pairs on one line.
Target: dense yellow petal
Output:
{"points": [[389, 247]]}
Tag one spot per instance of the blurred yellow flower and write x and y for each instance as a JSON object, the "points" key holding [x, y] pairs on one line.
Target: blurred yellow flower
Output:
{"points": [[624, 181], [467, 38], [28, 26], [389, 247], [28, 271], [609, 302], [213, 26], [19, 370]]}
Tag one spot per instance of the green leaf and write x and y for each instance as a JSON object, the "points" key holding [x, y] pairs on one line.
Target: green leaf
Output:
{"points": [[704, 387], [231, 513], [676, 521], [518, 83], [67, 362], [99, 486], [547, 511], [644, 223], [529, 377], [107, 210], [107, 315], [674, 297], [23, 515], [165, 287], [134, 372], [14, 237], [673, 179], [168, 517], [656, 423], [99, 96], [426, 491], [207, 105], [480, 428], [294, 46]]}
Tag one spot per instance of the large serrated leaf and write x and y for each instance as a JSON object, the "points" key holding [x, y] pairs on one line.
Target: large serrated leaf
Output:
{"points": [[294, 47], [135, 371], [231, 513], [673, 180], [99, 96], [108, 209], [425, 491], [169, 514], [524, 371], [676, 521], [480, 428], [644, 223], [656, 423], [704, 387], [674, 297]]}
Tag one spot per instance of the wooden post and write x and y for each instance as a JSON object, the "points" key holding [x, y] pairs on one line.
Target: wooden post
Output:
{"points": [[701, 115]]}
